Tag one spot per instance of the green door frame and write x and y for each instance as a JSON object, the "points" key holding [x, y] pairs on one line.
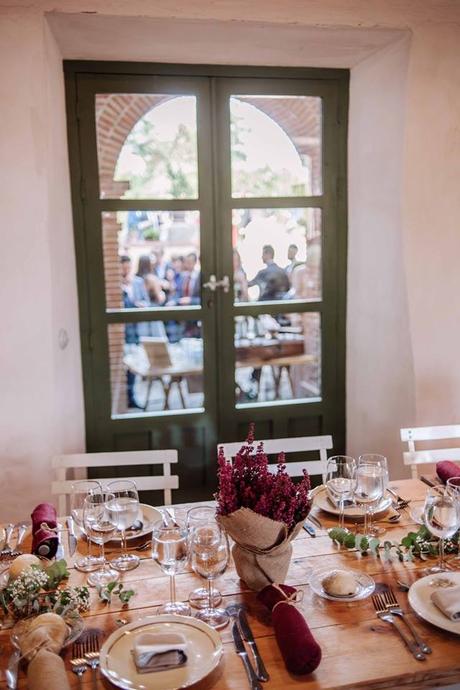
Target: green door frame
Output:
{"points": [[212, 85]]}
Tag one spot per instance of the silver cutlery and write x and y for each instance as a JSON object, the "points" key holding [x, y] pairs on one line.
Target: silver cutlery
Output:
{"points": [[403, 585], [92, 656], [242, 653], [71, 535], [261, 671], [315, 521], [12, 669], [6, 549], [394, 607], [78, 662], [384, 615], [309, 529], [22, 530]]}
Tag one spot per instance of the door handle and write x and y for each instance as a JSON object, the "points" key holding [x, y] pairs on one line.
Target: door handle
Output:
{"points": [[213, 283]]}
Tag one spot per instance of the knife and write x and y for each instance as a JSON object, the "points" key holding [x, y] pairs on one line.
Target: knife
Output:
{"points": [[242, 653], [11, 672], [261, 671], [72, 537], [310, 529]]}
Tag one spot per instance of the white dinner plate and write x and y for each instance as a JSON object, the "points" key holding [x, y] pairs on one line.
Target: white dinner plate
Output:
{"points": [[321, 500], [204, 650], [365, 585], [420, 600], [148, 516]]}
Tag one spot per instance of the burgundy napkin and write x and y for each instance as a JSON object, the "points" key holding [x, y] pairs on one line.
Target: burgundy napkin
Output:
{"points": [[300, 650], [45, 540], [446, 469]]}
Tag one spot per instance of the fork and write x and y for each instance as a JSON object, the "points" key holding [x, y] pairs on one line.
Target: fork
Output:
{"points": [[92, 656], [385, 615], [394, 607], [78, 661]]}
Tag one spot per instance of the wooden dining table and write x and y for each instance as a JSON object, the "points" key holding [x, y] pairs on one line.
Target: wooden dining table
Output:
{"points": [[358, 649]]}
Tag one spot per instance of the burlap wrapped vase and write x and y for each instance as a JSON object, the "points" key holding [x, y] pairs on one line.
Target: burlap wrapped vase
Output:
{"points": [[262, 550]]}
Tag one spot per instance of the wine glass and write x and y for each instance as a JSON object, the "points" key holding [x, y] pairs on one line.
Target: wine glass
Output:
{"points": [[339, 481], [380, 461], [100, 526], [209, 556], [198, 516], [441, 516], [79, 491], [169, 550], [368, 489], [453, 487], [124, 510]]}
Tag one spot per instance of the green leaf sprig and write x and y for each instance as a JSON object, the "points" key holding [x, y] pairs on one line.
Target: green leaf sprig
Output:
{"points": [[113, 589]]}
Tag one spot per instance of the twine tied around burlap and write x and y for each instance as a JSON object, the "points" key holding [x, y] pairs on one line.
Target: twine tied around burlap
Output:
{"points": [[262, 550]]}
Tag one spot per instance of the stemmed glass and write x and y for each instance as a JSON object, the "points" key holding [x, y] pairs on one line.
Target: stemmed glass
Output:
{"points": [[169, 550], [453, 487], [100, 527], [339, 481], [201, 515], [80, 490], [209, 556], [441, 516], [380, 461], [368, 490], [124, 510]]}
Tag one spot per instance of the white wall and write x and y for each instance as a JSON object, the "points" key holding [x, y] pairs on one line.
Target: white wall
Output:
{"points": [[404, 208]]}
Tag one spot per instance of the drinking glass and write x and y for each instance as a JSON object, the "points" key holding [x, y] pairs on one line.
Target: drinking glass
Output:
{"points": [[441, 516], [368, 490], [198, 516], [339, 481], [100, 527], [169, 550], [124, 510], [453, 487], [79, 491], [209, 556], [380, 461]]}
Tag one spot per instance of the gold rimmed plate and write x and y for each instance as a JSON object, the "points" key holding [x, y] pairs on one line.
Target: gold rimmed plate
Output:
{"points": [[365, 586], [204, 650], [419, 596], [353, 512]]}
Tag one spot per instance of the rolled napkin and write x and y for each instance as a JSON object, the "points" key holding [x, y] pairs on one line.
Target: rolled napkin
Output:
{"points": [[300, 650], [40, 645], [448, 601], [446, 469], [45, 540], [159, 651]]}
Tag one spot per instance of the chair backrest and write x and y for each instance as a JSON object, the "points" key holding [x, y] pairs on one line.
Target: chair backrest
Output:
{"points": [[157, 351], [291, 445], [62, 486], [414, 457]]}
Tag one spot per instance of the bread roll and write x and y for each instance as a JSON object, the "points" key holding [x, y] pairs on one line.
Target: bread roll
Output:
{"points": [[340, 583], [48, 630], [22, 562]]}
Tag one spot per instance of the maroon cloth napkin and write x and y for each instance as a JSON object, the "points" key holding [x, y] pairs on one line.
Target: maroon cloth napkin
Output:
{"points": [[300, 650], [446, 469], [45, 540]]}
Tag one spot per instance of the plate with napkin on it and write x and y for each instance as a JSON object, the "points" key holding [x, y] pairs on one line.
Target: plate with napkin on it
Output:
{"points": [[436, 598], [160, 653], [323, 500]]}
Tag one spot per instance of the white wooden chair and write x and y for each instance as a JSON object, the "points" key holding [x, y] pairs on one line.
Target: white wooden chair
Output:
{"points": [[291, 445], [62, 486], [414, 458]]}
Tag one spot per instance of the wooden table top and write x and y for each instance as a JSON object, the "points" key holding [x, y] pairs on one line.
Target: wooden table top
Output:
{"points": [[359, 651]]}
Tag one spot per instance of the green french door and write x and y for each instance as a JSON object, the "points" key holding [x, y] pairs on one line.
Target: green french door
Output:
{"points": [[210, 231]]}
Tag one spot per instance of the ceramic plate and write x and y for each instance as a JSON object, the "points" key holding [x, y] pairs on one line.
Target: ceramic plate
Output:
{"points": [[365, 585], [148, 516], [75, 626], [204, 649], [420, 600], [321, 500]]}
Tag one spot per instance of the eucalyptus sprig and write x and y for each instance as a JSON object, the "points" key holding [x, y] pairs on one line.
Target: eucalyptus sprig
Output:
{"points": [[115, 588], [420, 544]]}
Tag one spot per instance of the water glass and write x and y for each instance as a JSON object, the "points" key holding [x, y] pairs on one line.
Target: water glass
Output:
{"points": [[368, 490], [380, 461], [441, 515], [124, 510], [100, 527], [339, 481], [169, 550], [209, 553], [201, 515], [79, 491], [453, 487]]}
